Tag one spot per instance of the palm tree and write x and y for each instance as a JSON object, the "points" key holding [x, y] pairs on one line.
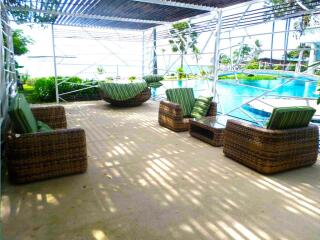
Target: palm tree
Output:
{"points": [[257, 49], [183, 39]]}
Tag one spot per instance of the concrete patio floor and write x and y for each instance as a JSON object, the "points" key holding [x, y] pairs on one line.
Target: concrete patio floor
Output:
{"points": [[145, 182]]}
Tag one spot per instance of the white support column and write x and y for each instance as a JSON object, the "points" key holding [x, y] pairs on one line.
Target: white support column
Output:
{"points": [[298, 66], [230, 53], [286, 40], [216, 54], [55, 65], [312, 58], [155, 60], [2, 73], [1, 86], [272, 38], [142, 64]]}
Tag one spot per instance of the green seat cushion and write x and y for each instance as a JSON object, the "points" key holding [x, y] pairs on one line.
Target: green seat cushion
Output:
{"points": [[22, 116], [184, 97], [201, 107], [290, 117], [122, 91], [42, 127]]}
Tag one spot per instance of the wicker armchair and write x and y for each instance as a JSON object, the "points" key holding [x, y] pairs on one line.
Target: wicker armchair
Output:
{"points": [[42, 155], [170, 116], [270, 151]]}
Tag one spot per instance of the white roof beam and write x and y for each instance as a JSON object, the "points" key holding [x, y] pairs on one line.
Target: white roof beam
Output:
{"points": [[302, 5], [88, 16], [178, 4]]}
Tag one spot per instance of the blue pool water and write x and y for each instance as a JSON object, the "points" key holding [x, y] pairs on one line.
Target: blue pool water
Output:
{"points": [[232, 96]]}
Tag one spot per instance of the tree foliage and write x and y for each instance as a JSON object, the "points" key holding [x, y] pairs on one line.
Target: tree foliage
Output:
{"points": [[183, 38], [295, 53], [257, 49], [100, 70], [224, 59], [243, 53], [248, 52], [20, 42], [283, 7]]}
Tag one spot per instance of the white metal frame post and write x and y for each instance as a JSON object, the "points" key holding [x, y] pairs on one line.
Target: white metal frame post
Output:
{"points": [[272, 39], [2, 83], [9, 80], [8, 76], [312, 58], [286, 40], [143, 43], [2, 72], [55, 65], [155, 60], [216, 54]]}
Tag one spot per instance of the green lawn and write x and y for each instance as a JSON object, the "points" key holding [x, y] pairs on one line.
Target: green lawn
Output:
{"points": [[242, 76]]}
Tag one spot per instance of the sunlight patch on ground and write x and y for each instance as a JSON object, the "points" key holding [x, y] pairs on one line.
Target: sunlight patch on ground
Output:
{"points": [[99, 235]]}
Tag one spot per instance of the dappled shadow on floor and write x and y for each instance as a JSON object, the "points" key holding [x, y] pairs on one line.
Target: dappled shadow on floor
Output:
{"points": [[146, 182]]}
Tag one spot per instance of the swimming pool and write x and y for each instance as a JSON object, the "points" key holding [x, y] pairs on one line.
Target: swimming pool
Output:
{"points": [[232, 96]]}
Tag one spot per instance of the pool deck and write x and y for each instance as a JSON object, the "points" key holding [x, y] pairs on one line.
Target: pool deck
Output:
{"points": [[145, 182]]}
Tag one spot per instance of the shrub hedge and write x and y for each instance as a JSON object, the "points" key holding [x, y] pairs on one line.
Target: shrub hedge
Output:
{"points": [[44, 89]]}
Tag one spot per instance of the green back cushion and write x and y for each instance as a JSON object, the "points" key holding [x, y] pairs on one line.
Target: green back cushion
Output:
{"points": [[290, 117], [184, 97], [16, 122], [22, 116], [42, 127], [201, 107], [122, 91]]}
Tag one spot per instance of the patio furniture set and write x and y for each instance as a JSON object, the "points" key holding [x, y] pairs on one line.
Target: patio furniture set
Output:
{"points": [[288, 141], [39, 145]]}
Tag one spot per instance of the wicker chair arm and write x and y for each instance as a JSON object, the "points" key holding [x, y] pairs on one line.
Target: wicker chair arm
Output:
{"points": [[170, 109], [213, 109], [171, 104], [267, 135], [57, 142], [54, 116]]}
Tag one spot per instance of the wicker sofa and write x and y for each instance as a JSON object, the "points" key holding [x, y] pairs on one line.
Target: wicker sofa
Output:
{"points": [[171, 115], [124, 95], [42, 155], [269, 151]]}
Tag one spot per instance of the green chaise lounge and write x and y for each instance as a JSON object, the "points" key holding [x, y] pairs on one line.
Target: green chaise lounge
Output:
{"points": [[125, 94], [287, 142], [39, 145], [176, 111]]}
